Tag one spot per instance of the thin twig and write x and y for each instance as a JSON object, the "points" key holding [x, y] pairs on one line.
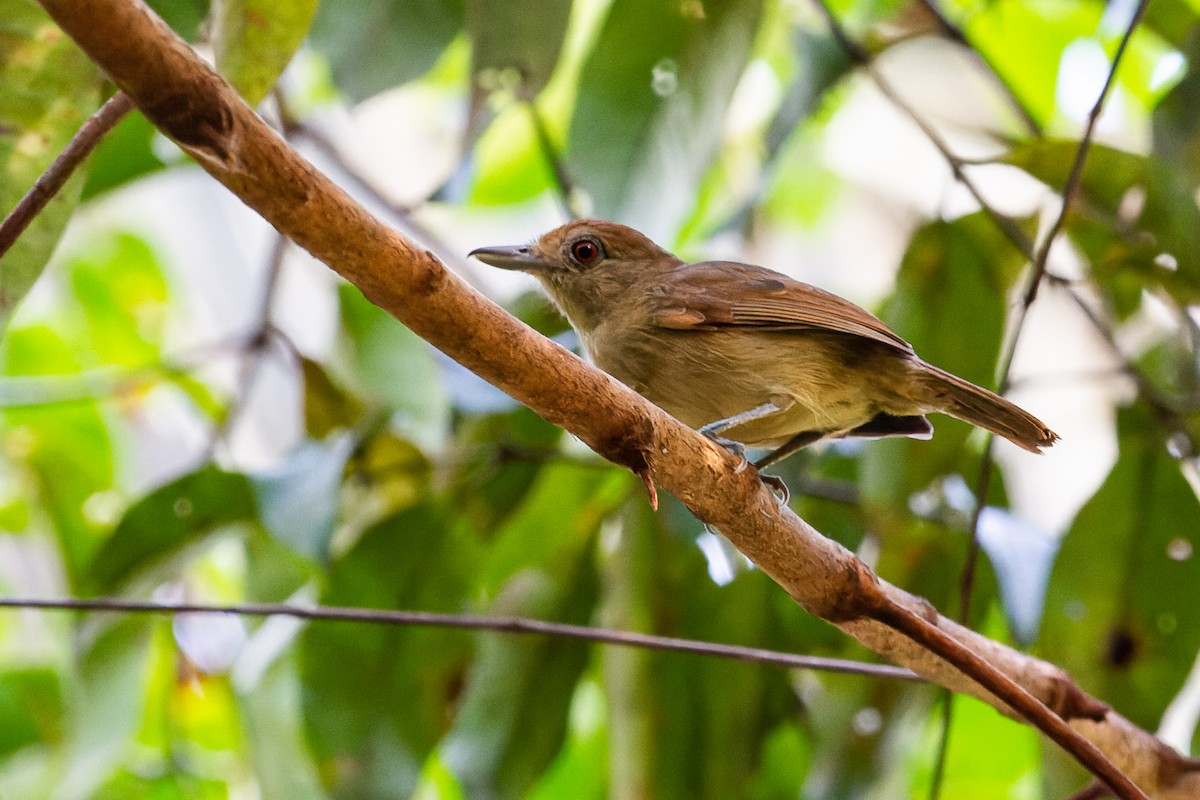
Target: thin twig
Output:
{"points": [[50, 182], [1075, 178], [505, 624], [255, 348]]}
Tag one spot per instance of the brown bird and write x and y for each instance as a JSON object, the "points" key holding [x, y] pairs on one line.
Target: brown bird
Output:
{"points": [[744, 353]]}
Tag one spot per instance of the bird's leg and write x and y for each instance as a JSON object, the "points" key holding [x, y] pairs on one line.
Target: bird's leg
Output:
{"points": [[797, 442], [713, 431]]}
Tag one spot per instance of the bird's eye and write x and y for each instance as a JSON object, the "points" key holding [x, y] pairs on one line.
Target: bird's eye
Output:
{"points": [[586, 252]]}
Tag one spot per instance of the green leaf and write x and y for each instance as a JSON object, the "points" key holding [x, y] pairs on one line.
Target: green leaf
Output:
{"points": [[372, 728], [110, 699], [652, 100], [255, 39], [373, 45], [31, 709], [396, 368], [519, 37], [48, 87], [1043, 28], [120, 286], [298, 500], [327, 406], [1117, 613], [65, 448], [184, 16], [271, 711], [170, 518], [513, 718], [1126, 251]]}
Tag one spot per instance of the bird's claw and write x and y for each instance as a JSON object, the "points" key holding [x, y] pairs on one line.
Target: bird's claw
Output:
{"points": [[737, 448], [777, 487]]}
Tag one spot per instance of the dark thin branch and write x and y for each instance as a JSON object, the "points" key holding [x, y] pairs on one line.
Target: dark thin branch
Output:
{"points": [[1075, 178], [256, 346], [506, 624], [937, 641], [50, 183]]}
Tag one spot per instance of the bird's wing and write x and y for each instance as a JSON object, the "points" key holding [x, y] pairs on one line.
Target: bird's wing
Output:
{"points": [[725, 294]]}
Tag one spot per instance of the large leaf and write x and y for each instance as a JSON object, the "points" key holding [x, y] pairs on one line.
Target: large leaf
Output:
{"points": [[653, 97], [298, 500], [66, 449], [169, 519], [1118, 612], [30, 708], [255, 39], [48, 87], [396, 368], [523, 36], [377, 699], [1158, 246], [373, 45]]}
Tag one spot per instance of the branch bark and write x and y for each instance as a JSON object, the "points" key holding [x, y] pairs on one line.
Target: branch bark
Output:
{"points": [[190, 103]]}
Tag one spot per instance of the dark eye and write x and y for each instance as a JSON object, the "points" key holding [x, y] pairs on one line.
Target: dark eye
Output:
{"points": [[586, 252]]}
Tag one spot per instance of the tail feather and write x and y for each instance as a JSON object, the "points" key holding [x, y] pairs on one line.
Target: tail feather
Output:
{"points": [[959, 398]]}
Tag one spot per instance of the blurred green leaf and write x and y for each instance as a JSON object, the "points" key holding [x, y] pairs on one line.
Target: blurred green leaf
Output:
{"points": [[514, 44], [1177, 118], [120, 286], [377, 699], [373, 45], [167, 520], [65, 448], [991, 757], [1116, 614], [271, 710], [652, 100], [396, 368], [48, 87], [1137, 221], [255, 39], [1043, 29], [298, 500], [327, 406], [110, 698], [512, 719], [31, 708], [184, 16]]}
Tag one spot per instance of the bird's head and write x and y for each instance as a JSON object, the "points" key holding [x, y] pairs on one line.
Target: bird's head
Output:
{"points": [[585, 265]]}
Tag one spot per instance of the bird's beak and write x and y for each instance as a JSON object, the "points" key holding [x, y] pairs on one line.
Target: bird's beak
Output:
{"points": [[518, 257]]}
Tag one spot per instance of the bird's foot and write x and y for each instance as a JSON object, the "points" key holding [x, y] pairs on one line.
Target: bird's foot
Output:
{"points": [[737, 448], [777, 487]]}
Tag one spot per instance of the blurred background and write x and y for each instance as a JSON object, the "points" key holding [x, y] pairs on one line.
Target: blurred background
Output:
{"points": [[192, 409]]}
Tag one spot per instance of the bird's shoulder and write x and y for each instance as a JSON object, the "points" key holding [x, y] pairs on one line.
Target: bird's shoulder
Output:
{"points": [[724, 294]]}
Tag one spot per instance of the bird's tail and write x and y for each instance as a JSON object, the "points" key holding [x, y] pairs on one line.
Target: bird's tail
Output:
{"points": [[978, 406]]}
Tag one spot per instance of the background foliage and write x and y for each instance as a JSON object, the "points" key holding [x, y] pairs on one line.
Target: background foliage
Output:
{"points": [[192, 410]]}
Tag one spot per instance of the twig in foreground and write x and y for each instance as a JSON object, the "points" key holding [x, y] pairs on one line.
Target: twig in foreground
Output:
{"points": [[523, 625]]}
